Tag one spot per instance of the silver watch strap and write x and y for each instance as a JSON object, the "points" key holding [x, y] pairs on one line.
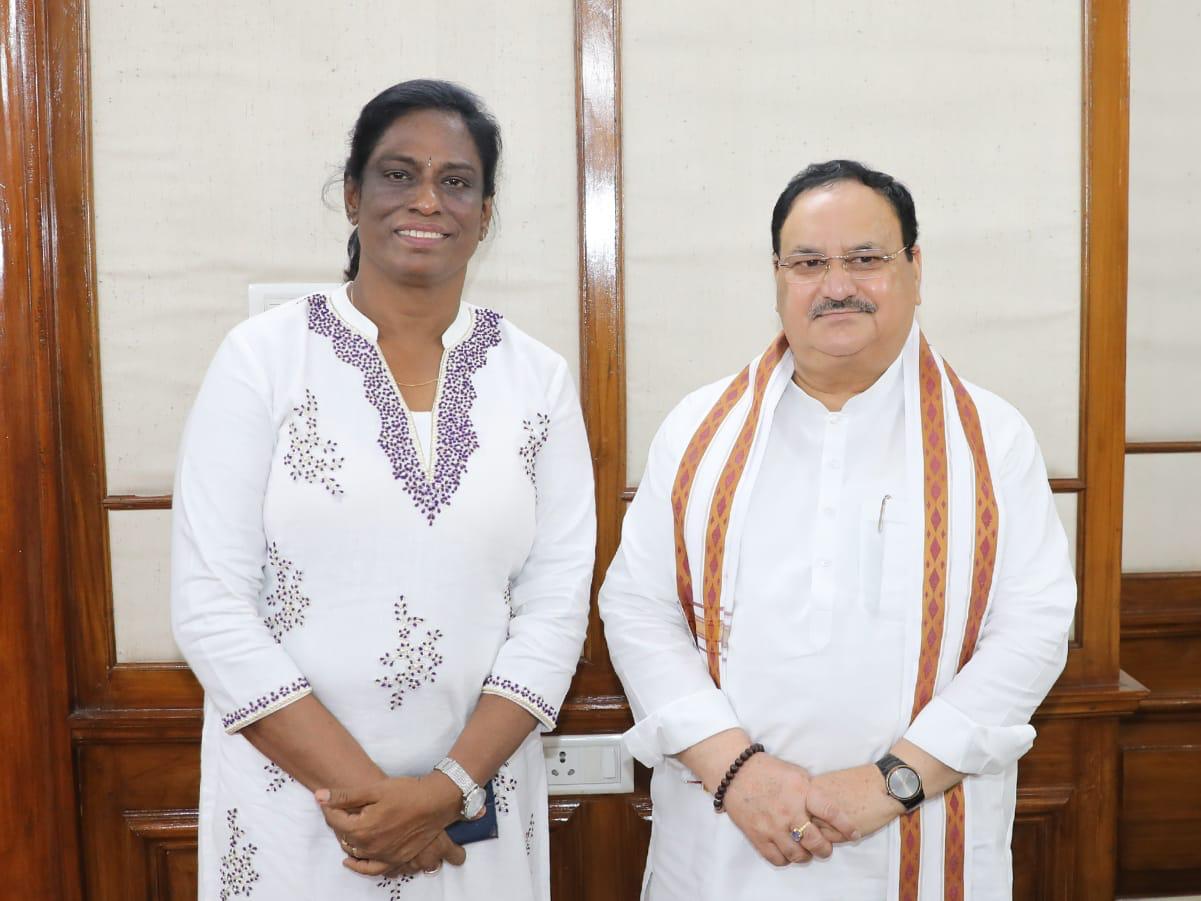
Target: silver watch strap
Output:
{"points": [[457, 775]]}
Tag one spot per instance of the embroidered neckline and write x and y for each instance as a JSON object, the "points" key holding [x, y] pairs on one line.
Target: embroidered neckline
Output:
{"points": [[454, 439]]}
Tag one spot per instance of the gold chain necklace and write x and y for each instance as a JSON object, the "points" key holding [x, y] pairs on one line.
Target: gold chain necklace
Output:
{"points": [[350, 297]]}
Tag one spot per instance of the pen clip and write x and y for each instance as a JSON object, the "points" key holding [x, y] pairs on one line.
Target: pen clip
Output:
{"points": [[883, 503]]}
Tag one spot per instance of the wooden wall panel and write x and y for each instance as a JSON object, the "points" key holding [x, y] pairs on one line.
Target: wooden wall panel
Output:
{"points": [[1161, 808], [1159, 825], [137, 803], [169, 837], [1042, 831]]}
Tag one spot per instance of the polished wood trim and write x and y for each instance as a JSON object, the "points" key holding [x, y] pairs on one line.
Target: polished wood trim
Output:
{"points": [[1066, 486], [135, 726], [1104, 206], [1072, 701], [1163, 447], [1156, 605], [136, 502], [162, 824], [86, 548], [593, 714], [602, 298], [40, 855]]}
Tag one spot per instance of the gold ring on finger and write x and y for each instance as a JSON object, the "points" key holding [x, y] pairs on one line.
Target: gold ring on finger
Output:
{"points": [[798, 832]]}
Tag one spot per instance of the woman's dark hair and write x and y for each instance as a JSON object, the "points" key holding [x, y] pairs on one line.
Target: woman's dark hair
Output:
{"points": [[410, 97], [819, 175]]}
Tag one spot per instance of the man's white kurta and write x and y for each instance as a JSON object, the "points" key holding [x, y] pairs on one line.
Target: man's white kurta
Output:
{"points": [[819, 640], [319, 546]]}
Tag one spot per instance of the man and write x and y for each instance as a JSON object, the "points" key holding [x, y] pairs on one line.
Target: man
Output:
{"points": [[849, 556]]}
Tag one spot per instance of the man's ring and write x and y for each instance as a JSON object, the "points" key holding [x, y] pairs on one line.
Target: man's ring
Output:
{"points": [[798, 832], [432, 870]]}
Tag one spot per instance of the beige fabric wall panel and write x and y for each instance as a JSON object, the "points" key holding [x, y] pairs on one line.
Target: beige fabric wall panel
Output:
{"points": [[216, 127], [140, 542], [1163, 375], [975, 109], [1161, 528]]}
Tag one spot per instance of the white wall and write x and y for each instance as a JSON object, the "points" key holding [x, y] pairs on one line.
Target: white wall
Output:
{"points": [[1162, 517]]}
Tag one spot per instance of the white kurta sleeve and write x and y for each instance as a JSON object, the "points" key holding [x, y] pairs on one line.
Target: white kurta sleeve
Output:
{"points": [[549, 595], [980, 722], [673, 698], [218, 548]]}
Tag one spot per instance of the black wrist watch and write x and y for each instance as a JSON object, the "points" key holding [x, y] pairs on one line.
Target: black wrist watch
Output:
{"points": [[901, 781]]}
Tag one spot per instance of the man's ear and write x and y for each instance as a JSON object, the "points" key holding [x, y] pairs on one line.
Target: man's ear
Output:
{"points": [[917, 271]]}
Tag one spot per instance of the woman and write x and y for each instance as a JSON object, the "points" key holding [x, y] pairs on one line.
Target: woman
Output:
{"points": [[383, 540]]}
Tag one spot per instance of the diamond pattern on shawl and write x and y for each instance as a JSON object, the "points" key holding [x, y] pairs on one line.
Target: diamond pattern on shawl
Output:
{"points": [[686, 475], [723, 498], [934, 456], [984, 559]]}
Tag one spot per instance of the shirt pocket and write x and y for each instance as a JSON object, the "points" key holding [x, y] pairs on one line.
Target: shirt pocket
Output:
{"points": [[884, 523]]}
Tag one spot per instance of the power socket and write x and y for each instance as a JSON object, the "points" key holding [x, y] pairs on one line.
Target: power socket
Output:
{"points": [[587, 765]]}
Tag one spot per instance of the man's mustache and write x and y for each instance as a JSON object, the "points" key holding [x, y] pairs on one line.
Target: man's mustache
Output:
{"points": [[845, 305]]}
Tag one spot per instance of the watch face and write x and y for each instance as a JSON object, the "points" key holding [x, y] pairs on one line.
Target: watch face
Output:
{"points": [[473, 803], [903, 783]]}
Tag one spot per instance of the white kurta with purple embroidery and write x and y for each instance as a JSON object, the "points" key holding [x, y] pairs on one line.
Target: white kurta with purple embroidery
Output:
{"points": [[318, 548]]}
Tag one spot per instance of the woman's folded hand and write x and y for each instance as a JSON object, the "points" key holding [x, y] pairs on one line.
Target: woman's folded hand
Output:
{"points": [[394, 825]]}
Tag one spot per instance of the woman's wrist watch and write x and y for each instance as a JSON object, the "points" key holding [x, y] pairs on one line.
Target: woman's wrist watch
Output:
{"points": [[901, 781], [473, 795]]}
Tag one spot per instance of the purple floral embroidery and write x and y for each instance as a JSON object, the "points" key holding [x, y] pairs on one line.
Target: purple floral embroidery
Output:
{"points": [[413, 663], [504, 784], [286, 601], [521, 695], [395, 885], [238, 874], [279, 777], [309, 459], [266, 702], [529, 838], [536, 433], [456, 438], [509, 603]]}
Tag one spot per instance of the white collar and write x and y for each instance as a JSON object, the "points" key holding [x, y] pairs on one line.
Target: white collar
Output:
{"points": [[356, 319]]}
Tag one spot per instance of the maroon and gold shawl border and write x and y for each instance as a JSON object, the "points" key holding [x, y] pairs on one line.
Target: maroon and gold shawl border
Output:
{"points": [[984, 558]]}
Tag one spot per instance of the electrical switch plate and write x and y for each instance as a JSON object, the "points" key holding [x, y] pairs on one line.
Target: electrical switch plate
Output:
{"points": [[587, 765], [265, 295]]}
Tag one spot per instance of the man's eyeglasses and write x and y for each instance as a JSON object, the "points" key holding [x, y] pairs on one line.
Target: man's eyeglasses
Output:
{"points": [[807, 268]]}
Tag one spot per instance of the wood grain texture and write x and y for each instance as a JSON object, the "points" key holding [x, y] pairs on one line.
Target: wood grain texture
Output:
{"points": [[1042, 868], [39, 854], [136, 502], [137, 803], [1163, 447], [602, 302], [1104, 205], [1159, 823]]}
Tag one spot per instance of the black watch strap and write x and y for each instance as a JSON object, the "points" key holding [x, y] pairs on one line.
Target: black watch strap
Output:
{"points": [[891, 762]]}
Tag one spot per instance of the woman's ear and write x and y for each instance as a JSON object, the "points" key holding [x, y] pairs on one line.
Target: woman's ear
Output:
{"points": [[350, 197], [486, 218]]}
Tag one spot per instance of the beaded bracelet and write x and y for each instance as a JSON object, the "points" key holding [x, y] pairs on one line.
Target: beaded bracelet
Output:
{"points": [[719, 796]]}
